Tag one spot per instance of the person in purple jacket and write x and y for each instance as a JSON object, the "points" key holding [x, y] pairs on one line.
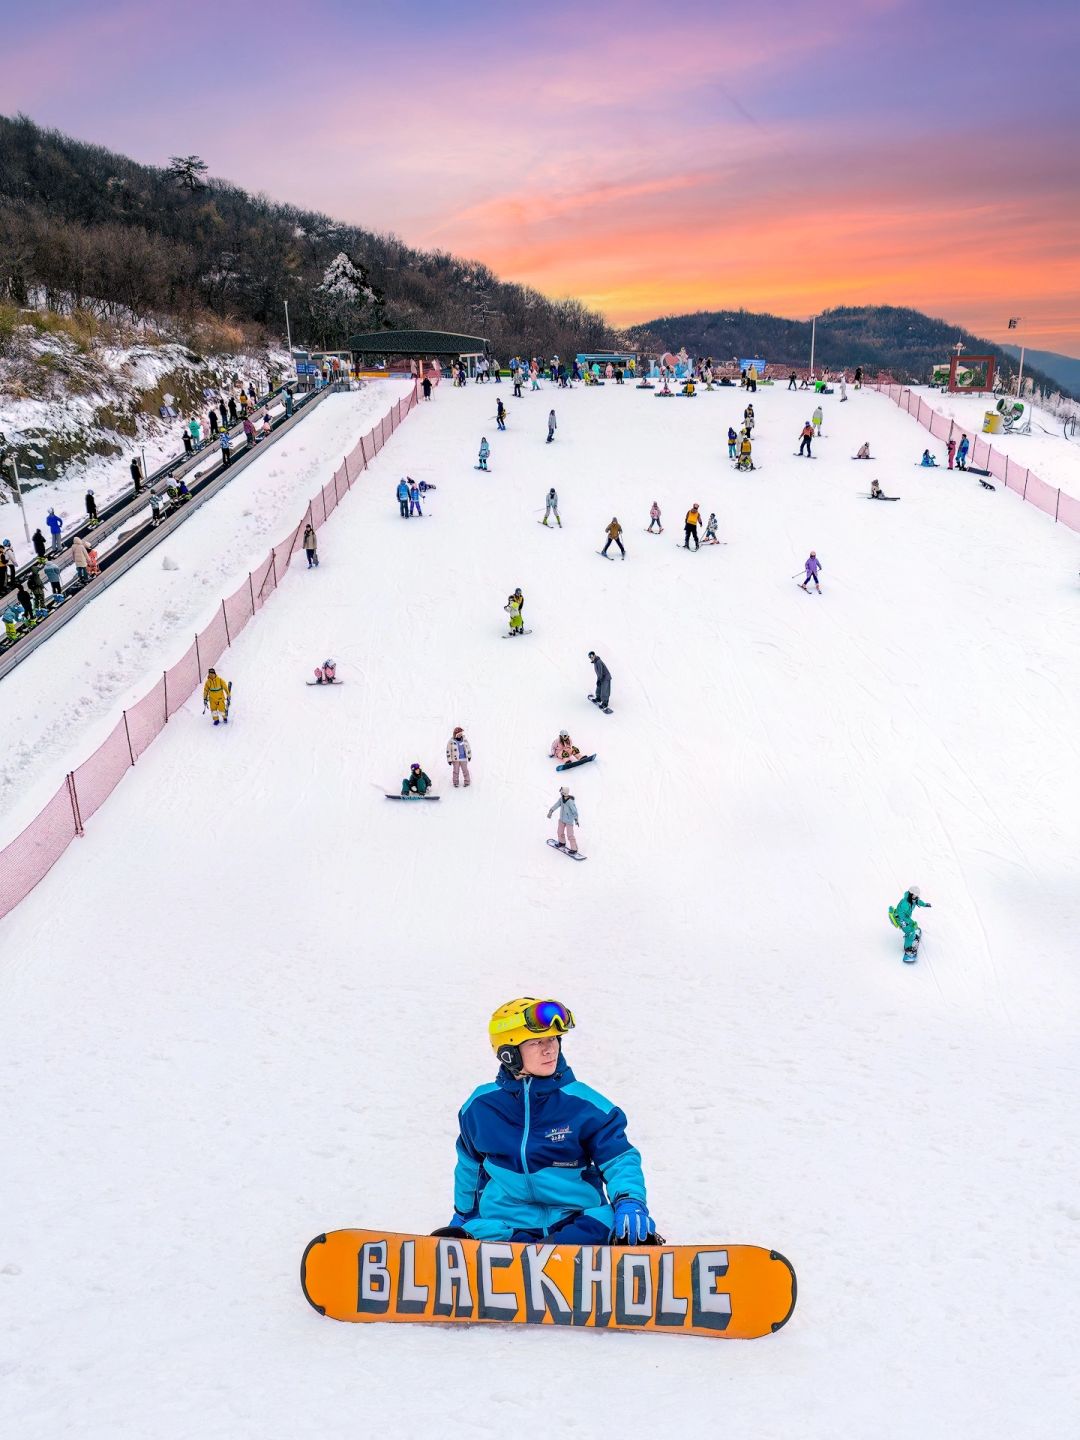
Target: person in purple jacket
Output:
{"points": [[813, 570]]}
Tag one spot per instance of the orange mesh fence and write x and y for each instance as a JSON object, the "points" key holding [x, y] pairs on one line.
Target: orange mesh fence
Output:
{"points": [[33, 852], [96, 778], [180, 681], [1064, 508], [146, 719]]}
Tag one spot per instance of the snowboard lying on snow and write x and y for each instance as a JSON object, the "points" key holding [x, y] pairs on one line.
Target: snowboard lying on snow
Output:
{"points": [[732, 1292]]}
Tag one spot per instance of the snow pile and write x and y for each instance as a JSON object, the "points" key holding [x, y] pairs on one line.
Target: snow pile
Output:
{"points": [[273, 987]]}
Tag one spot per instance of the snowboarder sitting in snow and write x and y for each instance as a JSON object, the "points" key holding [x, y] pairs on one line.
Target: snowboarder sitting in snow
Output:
{"points": [[903, 915], [863, 452], [416, 782], [689, 388], [928, 460], [746, 457], [563, 748], [485, 451], [216, 694], [876, 492], [326, 673], [539, 1156]]}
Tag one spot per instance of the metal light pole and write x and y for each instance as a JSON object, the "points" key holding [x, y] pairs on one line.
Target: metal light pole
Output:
{"points": [[813, 341], [18, 492], [288, 331]]}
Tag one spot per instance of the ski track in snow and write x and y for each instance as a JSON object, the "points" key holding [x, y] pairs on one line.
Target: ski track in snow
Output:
{"points": [[268, 994]]}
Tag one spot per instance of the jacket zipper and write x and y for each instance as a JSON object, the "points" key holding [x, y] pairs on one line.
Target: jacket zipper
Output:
{"points": [[525, 1136]]}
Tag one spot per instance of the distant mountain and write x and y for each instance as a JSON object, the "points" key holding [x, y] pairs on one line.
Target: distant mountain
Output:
{"points": [[1064, 370], [881, 338]]}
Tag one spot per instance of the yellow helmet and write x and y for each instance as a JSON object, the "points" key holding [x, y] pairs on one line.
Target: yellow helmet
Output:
{"points": [[525, 1019]]}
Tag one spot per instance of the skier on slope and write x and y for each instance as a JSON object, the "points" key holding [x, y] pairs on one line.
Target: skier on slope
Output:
{"points": [[416, 782], [746, 453], [551, 426], [654, 519], [710, 532], [551, 507], [748, 419], [512, 1181], [603, 681], [326, 673], [813, 570], [903, 916], [568, 818], [414, 499], [563, 748], [458, 755], [485, 451], [614, 532], [403, 498], [693, 520], [216, 694]]}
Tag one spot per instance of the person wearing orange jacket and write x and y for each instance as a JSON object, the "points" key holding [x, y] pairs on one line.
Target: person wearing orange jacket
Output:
{"points": [[614, 530], [217, 693]]}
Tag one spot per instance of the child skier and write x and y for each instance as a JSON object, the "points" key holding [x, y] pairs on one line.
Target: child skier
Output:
{"points": [[485, 451], [416, 782], [513, 609], [458, 755], [568, 818], [903, 916], [326, 673], [710, 532], [563, 748], [654, 519], [414, 499], [551, 507], [813, 570], [216, 693], [863, 452], [511, 1181]]}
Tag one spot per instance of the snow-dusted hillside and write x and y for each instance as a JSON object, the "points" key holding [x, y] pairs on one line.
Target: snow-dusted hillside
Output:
{"points": [[245, 1008]]}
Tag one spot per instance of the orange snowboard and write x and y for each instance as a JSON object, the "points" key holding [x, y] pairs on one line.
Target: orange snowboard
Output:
{"points": [[733, 1292]]}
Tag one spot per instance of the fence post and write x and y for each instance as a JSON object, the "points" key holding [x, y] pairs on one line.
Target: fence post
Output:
{"points": [[1006, 472], [273, 566], [251, 589], [198, 657], [337, 497], [127, 732], [348, 482], [74, 798], [225, 617], [165, 683], [1026, 474], [1057, 506]]}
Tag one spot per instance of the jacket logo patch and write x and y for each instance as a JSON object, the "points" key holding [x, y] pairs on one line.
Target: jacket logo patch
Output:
{"points": [[558, 1133]]}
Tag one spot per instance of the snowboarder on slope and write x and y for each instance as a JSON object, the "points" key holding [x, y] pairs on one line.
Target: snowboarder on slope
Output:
{"points": [[506, 1186], [551, 426], [654, 519], [614, 530], [551, 507], [326, 673], [513, 609], [563, 748], [603, 680], [693, 520], [806, 436], [813, 570], [863, 452], [216, 694], [485, 451], [819, 419], [928, 462], [458, 755], [416, 782], [500, 414], [568, 818], [904, 913]]}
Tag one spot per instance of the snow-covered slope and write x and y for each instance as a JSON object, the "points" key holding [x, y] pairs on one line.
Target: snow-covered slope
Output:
{"points": [[247, 1005]]}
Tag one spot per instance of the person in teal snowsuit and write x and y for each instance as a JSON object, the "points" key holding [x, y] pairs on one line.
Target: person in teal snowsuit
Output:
{"points": [[905, 916], [485, 451]]}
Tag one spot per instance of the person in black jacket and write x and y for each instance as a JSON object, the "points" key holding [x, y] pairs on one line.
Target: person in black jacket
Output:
{"points": [[136, 468], [40, 544], [603, 681], [91, 506]]}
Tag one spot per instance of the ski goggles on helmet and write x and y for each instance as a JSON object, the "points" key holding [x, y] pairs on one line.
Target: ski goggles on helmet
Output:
{"points": [[547, 1015]]}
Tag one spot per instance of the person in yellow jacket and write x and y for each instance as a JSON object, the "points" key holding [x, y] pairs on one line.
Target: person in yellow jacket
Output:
{"points": [[614, 530], [693, 520], [217, 693], [745, 460]]}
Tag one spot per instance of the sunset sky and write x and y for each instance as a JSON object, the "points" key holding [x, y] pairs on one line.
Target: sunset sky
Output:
{"points": [[646, 158]]}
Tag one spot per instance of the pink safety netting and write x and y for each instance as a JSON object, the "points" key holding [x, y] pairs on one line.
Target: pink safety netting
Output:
{"points": [[212, 642], [33, 853], [239, 609], [96, 778], [146, 719], [181, 680]]}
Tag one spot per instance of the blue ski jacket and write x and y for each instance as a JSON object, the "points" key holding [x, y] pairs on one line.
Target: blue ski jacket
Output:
{"points": [[533, 1151]]}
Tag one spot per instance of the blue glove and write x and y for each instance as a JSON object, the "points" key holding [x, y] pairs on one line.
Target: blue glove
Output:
{"points": [[633, 1223]]}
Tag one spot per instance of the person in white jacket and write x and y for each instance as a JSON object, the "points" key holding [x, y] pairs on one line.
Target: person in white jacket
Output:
{"points": [[568, 818], [458, 755]]}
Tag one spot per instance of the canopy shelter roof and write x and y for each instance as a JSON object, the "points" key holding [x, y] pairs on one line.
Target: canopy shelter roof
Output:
{"points": [[417, 344]]}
